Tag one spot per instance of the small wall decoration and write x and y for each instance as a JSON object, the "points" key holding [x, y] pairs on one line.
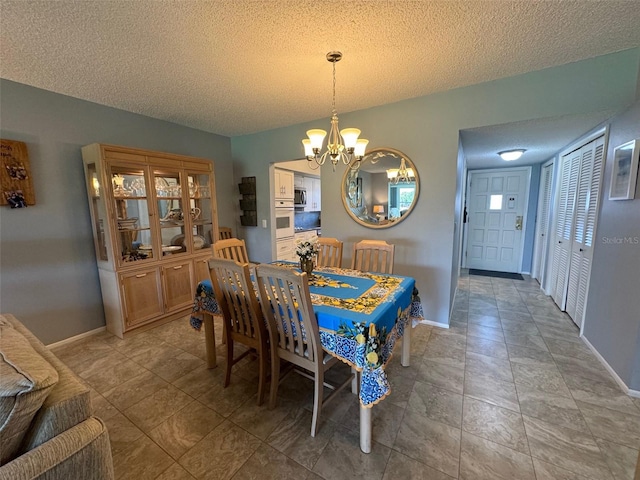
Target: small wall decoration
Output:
{"points": [[15, 175], [625, 171]]}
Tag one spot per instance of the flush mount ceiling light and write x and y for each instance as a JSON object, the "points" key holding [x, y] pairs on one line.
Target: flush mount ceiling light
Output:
{"points": [[510, 155], [341, 145]]}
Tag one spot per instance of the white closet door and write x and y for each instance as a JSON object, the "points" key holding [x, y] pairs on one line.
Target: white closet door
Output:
{"points": [[542, 224], [585, 221], [569, 173]]}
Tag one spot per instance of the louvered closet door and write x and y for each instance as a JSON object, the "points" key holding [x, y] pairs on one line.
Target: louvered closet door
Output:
{"points": [[569, 173], [585, 222], [542, 223]]}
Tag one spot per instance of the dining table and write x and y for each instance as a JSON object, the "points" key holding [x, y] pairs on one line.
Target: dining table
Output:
{"points": [[361, 316]]}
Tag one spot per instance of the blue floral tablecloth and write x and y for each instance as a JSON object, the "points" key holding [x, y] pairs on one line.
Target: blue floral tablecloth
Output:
{"points": [[361, 315]]}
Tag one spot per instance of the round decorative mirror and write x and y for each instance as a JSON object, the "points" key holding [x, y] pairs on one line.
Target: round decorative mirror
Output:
{"points": [[383, 190]]}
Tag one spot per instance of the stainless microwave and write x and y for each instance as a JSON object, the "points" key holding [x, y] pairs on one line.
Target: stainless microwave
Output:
{"points": [[300, 197]]}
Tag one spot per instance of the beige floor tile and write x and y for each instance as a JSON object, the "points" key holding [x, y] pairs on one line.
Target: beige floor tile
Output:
{"points": [[175, 472], [570, 366], [173, 368], [489, 333], [556, 333], [496, 424], [114, 375], [601, 394], [483, 365], [515, 316], [157, 407], [490, 390], [481, 459], [611, 425], [402, 467], [200, 380], [512, 337], [342, 457], [153, 356], [185, 428], [570, 349], [101, 407], [386, 420], [443, 376], [485, 320], [260, 421], [293, 437], [529, 356], [545, 378], [556, 409], [446, 355], [487, 347], [227, 400], [528, 328], [122, 432], [401, 388], [141, 460], [267, 463], [221, 453], [566, 448], [621, 460], [448, 338], [436, 403], [430, 442], [548, 471], [134, 389]]}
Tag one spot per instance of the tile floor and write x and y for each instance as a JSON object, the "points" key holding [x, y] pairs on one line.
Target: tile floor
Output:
{"points": [[508, 392]]}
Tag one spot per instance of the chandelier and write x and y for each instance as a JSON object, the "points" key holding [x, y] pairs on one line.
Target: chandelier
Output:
{"points": [[342, 145], [402, 174]]}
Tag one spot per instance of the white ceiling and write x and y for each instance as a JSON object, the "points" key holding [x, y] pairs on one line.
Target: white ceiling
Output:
{"points": [[234, 67]]}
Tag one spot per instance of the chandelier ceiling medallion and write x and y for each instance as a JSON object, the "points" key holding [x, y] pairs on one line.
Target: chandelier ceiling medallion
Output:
{"points": [[341, 145]]}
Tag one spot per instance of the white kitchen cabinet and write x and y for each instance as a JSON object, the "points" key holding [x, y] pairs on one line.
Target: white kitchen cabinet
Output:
{"points": [[283, 184], [286, 250], [312, 185]]}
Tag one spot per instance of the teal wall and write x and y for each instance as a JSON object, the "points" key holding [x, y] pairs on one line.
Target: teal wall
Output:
{"points": [[426, 129], [48, 275]]}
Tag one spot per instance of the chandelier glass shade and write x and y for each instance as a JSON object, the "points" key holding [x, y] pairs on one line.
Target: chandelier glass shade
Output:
{"points": [[342, 145], [402, 174]]}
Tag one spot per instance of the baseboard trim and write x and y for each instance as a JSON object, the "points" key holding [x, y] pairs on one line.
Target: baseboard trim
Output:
{"points": [[80, 336], [604, 363], [430, 322]]}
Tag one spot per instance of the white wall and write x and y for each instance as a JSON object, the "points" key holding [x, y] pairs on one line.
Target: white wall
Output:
{"points": [[426, 129]]}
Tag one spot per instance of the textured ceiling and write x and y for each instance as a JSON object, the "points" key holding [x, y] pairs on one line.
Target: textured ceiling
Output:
{"points": [[234, 66]]}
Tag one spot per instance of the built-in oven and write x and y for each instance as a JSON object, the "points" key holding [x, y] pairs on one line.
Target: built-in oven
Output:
{"points": [[284, 218], [300, 197]]}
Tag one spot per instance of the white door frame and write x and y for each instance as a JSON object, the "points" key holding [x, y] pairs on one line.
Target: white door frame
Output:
{"points": [[524, 213]]}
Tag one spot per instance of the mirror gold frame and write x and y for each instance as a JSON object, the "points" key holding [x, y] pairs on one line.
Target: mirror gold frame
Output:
{"points": [[357, 196]]}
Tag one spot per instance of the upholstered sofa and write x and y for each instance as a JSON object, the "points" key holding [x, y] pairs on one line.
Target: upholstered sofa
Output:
{"points": [[47, 430]]}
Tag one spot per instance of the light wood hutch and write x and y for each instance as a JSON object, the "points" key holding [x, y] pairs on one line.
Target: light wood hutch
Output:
{"points": [[154, 219]]}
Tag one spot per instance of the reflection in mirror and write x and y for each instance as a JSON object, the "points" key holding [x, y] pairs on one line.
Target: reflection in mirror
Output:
{"points": [[382, 190]]}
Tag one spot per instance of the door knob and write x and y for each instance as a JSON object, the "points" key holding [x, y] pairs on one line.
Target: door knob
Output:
{"points": [[519, 222]]}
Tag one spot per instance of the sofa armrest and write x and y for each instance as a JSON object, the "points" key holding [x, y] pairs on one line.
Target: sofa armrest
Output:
{"points": [[82, 452]]}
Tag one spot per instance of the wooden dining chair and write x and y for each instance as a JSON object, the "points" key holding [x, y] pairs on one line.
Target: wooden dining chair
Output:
{"points": [[329, 252], [231, 249], [373, 256], [243, 320], [293, 333], [224, 233]]}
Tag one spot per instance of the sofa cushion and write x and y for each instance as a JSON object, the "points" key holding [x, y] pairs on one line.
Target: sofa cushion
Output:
{"points": [[68, 404], [26, 379]]}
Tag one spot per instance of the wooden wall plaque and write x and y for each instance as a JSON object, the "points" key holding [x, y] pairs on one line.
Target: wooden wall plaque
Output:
{"points": [[15, 176]]}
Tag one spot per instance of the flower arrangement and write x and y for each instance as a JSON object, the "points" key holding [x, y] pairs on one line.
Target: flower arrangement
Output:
{"points": [[306, 250]]}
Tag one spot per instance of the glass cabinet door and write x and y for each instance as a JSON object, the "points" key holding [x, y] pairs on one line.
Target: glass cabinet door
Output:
{"points": [[99, 214], [133, 225], [171, 212], [202, 227]]}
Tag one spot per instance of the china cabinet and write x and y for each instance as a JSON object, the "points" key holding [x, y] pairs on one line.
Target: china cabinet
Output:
{"points": [[154, 219]]}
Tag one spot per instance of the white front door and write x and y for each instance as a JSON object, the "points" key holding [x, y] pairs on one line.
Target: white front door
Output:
{"points": [[496, 206]]}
